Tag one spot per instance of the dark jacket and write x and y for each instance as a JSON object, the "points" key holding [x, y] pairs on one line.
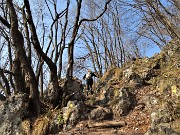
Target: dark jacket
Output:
{"points": [[92, 74]]}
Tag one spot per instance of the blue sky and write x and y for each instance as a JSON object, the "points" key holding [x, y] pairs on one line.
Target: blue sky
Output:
{"points": [[61, 5], [152, 51]]}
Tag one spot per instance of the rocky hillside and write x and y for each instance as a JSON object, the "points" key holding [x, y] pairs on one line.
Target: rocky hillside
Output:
{"points": [[143, 97]]}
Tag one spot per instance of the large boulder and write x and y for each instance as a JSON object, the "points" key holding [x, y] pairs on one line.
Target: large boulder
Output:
{"points": [[165, 114], [72, 90], [148, 73], [163, 129], [74, 112], [105, 96], [121, 103], [12, 111], [131, 78], [101, 113]]}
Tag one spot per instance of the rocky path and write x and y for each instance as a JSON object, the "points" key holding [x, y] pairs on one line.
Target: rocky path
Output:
{"points": [[135, 122], [103, 128]]}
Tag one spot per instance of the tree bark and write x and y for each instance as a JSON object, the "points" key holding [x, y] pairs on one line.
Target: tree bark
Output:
{"points": [[18, 77], [7, 90], [56, 91], [71, 44], [77, 24], [18, 43]]}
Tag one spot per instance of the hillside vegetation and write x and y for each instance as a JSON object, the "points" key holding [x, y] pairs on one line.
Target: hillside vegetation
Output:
{"points": [[142, 97]]}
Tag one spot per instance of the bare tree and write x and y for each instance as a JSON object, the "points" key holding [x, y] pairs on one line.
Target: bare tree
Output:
{"points": [[77, 24], [162, 17], [21, 58]]}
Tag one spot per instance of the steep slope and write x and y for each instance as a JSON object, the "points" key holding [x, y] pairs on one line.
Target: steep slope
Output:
{"points": [[142, 97], [145, 94]]}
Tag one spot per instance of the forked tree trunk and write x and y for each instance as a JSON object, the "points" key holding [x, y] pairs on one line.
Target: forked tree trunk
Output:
{"points": [[56, 93], [18, 43]]}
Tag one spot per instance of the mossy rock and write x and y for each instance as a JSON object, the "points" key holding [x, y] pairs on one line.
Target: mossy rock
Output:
{"points": [[114, 73]]}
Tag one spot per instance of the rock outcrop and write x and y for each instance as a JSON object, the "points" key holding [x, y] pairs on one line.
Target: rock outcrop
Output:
{"points": [[12, 113]]}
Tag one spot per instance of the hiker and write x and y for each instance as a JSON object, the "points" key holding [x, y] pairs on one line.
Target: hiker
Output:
{"points": [[89, 81]]}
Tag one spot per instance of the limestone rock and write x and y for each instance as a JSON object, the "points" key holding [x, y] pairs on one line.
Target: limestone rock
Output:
{"points": [[105, 96], [148, 73], [132, 78], [122, 103], [101, 113], [163, 129], [73, 87], [12, 111], [162, 118], [73, 113]]}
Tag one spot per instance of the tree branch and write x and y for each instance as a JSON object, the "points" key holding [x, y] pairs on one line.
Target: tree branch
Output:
{"points": [[6, 71], [5, 22], [94, 19]]}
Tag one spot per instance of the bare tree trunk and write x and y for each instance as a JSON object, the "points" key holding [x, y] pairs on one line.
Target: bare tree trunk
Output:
{"points": [[63, 40], [7, 90], [18, 43], [41, 84], [18, 77], [71, 44], [11, 64], [27, 35], [96, 54], [77, 24], [56, 92]]}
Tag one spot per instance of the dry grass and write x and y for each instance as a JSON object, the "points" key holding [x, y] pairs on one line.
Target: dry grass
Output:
{"points": [[41, 126], [25, 126], [112, 73]]}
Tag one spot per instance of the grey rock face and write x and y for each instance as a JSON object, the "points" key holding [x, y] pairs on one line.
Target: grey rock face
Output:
{"points": [[101, 113], [132, 78], [121, 103], [72, 114], [12, 112]]}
